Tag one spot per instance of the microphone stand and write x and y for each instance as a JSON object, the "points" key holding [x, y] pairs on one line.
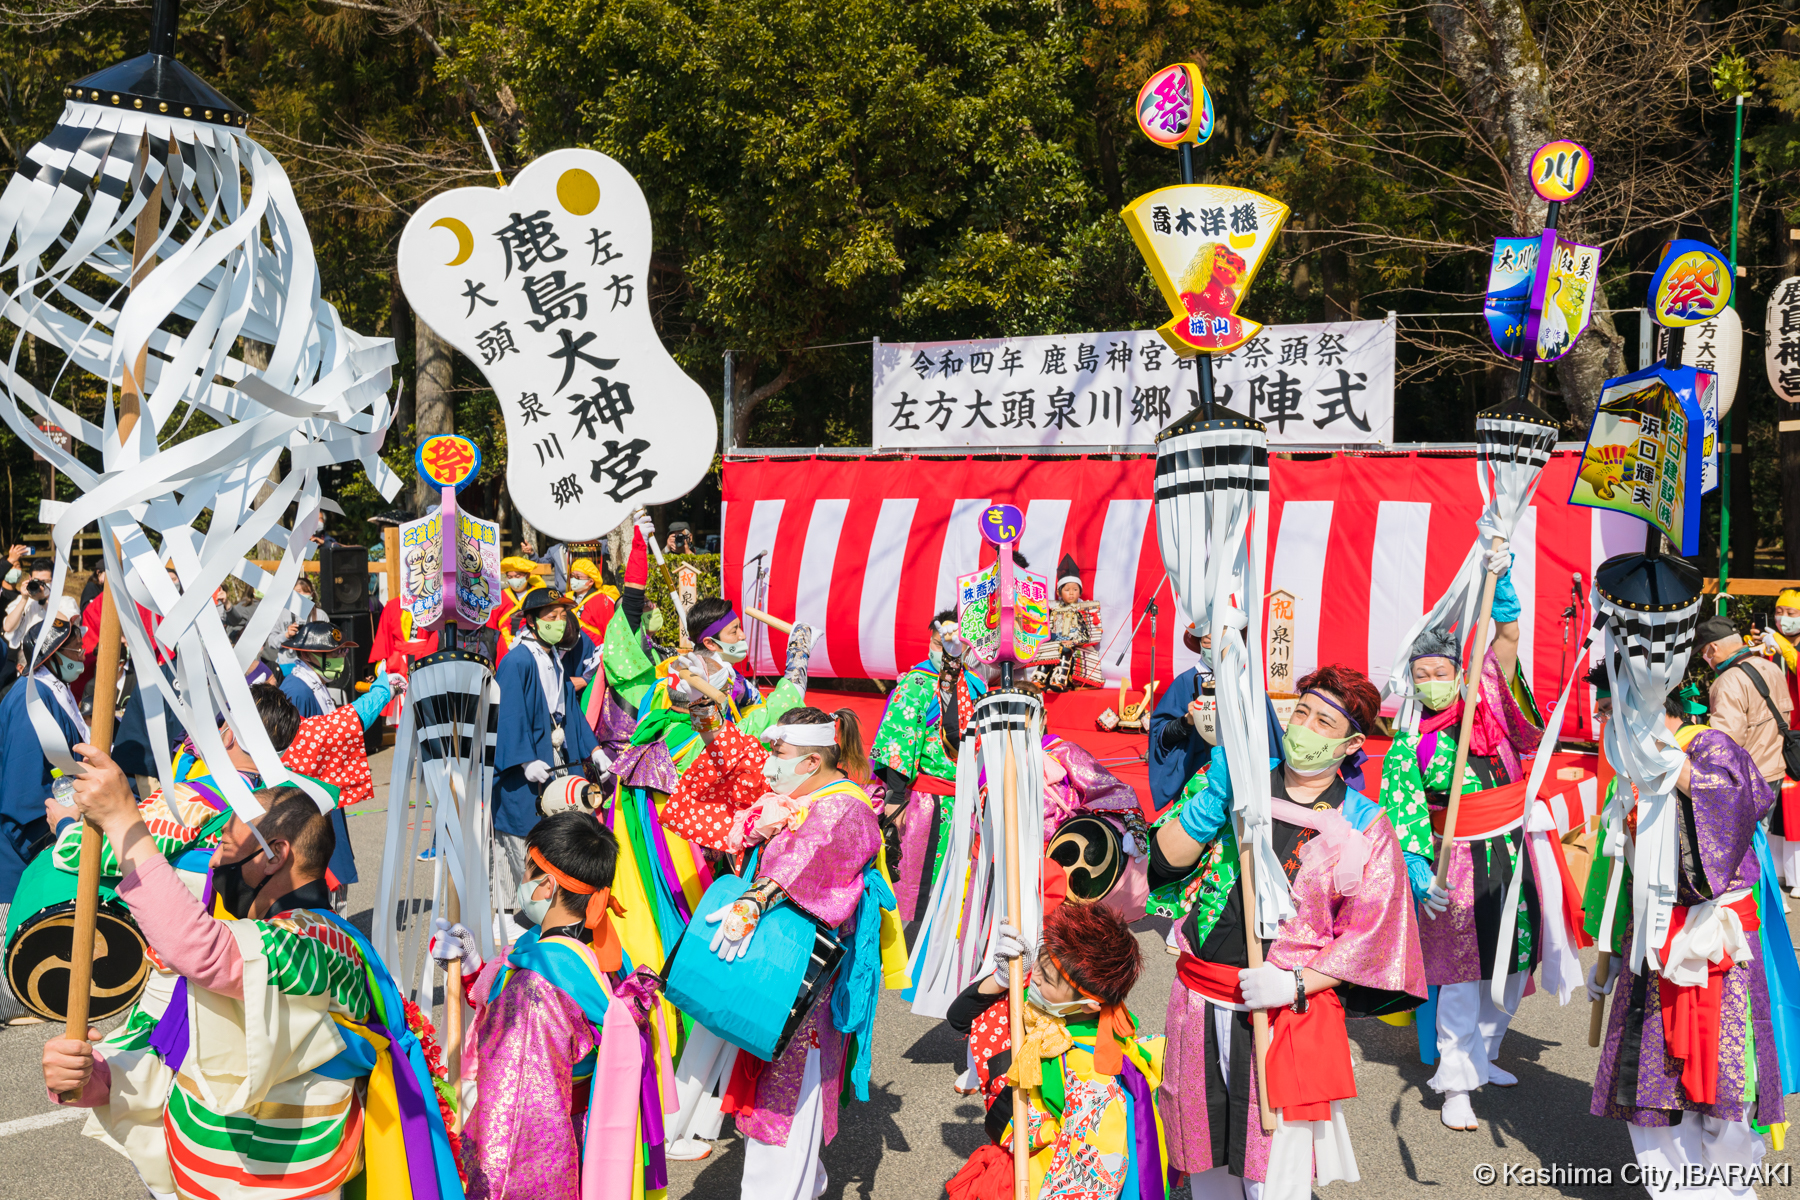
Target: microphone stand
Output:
{"points": [[1150, 611]]}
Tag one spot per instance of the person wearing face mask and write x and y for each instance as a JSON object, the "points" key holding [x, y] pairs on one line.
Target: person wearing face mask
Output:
{"points": [[595, 599], [323, 667], [1178, 749], [554, 1057], [1354, 923], [518, 576], [1689, 1055], [25, 777], [1080, 1047], [268, 969], [911, 760], [541, 726], [819, 840]]}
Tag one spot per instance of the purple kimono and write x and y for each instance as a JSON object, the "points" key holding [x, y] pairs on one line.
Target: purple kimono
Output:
{"points": [[819, 865], [1728, 798]]}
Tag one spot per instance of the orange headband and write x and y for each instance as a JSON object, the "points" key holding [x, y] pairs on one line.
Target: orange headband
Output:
{"points": [[601, 904], [1115, 1024]]}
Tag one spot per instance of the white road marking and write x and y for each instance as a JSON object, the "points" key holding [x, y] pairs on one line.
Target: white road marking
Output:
{"points": [[41, 1121]]}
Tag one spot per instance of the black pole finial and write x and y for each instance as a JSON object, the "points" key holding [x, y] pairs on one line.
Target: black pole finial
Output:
{"points": [[165, 17]]}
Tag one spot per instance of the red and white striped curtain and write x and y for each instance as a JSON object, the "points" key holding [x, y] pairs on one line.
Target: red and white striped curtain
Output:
{"points": [[866, 550]]}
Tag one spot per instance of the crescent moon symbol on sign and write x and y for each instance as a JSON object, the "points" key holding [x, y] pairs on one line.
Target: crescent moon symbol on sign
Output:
{"points": [[465, 241]]}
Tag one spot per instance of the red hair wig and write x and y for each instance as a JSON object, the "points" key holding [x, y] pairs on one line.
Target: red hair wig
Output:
{"points": [[1094, 949], [1350, 688]]}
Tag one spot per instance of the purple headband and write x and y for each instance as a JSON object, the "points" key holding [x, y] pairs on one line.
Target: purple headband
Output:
{"points": [[1354, 723], [713, 629]]}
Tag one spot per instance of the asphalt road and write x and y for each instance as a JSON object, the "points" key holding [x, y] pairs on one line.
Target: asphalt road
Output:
{"points": [[915, 1131]]}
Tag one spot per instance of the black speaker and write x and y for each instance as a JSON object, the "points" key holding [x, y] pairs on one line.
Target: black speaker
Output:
{"points": [[344, 581]]}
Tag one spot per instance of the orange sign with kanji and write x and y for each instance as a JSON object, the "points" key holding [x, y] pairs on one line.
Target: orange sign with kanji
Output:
{"points": [[446, 460]]}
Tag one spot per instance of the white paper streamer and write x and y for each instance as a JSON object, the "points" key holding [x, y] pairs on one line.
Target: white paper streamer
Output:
{"points": [[233, 259]]}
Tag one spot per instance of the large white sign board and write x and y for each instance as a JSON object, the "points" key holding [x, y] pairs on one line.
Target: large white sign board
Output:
{"points": [[1311, 384], [544, 284]]}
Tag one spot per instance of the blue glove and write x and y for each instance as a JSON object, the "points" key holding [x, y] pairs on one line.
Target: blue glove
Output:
{"points": [[1204, 813], [368, 706], [1419, 874], [1506, 600]]}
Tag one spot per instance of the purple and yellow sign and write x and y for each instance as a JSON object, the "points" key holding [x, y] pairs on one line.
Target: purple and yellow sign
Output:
{"points": [[1173, 106], [1002, 523], [1692, 284], [446, 460], [1560, 169]]}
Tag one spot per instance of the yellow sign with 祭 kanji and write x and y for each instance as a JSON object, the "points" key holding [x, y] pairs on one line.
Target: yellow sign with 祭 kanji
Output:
{"points": [[1203, 245], [446, 460], [1692, 284]]}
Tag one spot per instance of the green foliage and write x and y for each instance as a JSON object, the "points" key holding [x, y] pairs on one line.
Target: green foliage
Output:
{"points": [[656, 591]]}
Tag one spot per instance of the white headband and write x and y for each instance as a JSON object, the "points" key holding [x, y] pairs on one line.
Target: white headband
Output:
{"points": [[804, 735]]}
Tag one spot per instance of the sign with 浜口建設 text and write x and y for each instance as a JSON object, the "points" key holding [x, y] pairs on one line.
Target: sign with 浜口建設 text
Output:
{"points": [[544, 284], [1643, 451], [1310, 384]]}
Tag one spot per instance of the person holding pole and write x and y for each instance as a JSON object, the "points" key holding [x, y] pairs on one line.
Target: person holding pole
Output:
{"points": [[1461, 929], [290, 1015], [1354, 923], [1079, 1040]]}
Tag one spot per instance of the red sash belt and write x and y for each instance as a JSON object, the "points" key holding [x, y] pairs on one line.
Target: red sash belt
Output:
{"points": [[1484, 813], [931, 785], [1309, 1053], [1691, 1014]]}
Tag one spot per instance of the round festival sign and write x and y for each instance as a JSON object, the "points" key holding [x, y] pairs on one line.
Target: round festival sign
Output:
{"points": [[446, 460], [1002, 523], [1692, 284], [1560, 169], [1173, 106]]}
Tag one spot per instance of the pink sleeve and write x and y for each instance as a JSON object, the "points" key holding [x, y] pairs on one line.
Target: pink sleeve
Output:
{"points": [[178, 928], [97, 1092]]}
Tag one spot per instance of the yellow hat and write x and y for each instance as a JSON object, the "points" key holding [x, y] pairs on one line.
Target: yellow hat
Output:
{"points": [[585, 566], [514, 565], [1789, 598]]}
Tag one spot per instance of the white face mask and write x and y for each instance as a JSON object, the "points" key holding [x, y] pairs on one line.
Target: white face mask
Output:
{"points": [[534, 910], [581, 583], [735, 652], [1788, 625], [68, 669], [784, 774], [517, 582]]}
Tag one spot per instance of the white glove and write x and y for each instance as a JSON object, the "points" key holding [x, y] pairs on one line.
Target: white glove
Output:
{"points": [[1009, 944], [537, 771], [1595, 989], [644, 524], [1267, 986], [450, 942], [1499, 561], [737, 925], [601, 759], [1436, 901]]}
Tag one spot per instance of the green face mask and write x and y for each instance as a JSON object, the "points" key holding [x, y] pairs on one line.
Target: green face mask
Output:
{"points": [[333, 667], [551, 632], [1308, 752], [1438, 694]]}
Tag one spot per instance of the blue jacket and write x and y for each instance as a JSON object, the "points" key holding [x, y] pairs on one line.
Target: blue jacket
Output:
{"points": [[524, 736], [295, 689], [1185, 752], [24, 781]]}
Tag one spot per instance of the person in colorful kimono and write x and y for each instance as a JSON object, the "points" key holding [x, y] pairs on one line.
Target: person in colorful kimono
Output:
{"points": [[557, 1048], [287, 1065], [820, 840], [518, 576], [1689, 1058], [1354, 924], [594, 598], [1092, 1080], [541, 728], [701, 687], [1461, 931], [1780, 641], [910, 758]]}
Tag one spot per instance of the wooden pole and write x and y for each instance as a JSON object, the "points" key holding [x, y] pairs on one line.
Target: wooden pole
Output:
{"points": [[1477, 664], [453, 1009], [390, 539], [106, 669], [1015, 984], [1253, 951]]}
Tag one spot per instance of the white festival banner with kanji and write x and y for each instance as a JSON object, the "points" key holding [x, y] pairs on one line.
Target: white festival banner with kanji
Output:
{"points": [[544, 284], [1311, 384], [1781, 346]]}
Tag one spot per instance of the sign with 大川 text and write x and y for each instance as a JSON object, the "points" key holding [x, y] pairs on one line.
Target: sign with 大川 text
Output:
{"points": [[1310, 384], [544, 284]]}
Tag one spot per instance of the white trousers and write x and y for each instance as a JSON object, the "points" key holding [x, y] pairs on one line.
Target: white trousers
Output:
{"points": [[793, 1171], [1301, 1153], [705, 1066], [1787, 860], [1709, 1153], [1469, 1031]]}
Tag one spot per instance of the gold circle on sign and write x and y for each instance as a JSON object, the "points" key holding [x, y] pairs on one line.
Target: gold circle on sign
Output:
{"points": [[578, 191]]}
